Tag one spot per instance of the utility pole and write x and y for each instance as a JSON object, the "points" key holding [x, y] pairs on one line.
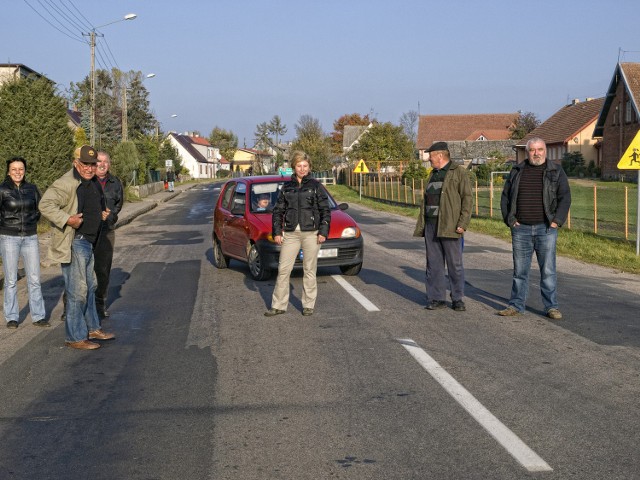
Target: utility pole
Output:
{"points": [[92, 76]]}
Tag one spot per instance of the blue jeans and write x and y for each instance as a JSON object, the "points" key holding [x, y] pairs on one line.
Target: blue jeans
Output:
{"points": [[527, 239], [80, 288], [12, 249]]}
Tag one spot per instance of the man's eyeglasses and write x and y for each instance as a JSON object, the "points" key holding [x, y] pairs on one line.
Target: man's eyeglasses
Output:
{"points": [[88, 165]]}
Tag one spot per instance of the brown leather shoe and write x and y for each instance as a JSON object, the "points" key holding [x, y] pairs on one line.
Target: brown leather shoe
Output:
{"points": [[100, 335], [83, 345]]}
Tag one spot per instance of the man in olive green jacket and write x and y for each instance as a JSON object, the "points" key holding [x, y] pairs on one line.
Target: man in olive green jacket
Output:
{"points": [[444, 216]]}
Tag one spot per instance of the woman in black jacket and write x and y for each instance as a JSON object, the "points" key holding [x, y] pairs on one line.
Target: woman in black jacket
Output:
{"points": [[301, 220], [19, 217]]}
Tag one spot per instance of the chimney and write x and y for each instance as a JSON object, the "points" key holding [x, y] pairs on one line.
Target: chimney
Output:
{"points": [[575, 101]]}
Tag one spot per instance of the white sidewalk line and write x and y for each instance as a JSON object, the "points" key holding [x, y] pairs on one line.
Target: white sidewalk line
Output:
{"points": [[505, 437], [362, 300]]}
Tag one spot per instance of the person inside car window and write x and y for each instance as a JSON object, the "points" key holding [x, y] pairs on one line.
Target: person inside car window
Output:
{"points": [[262, 203]]}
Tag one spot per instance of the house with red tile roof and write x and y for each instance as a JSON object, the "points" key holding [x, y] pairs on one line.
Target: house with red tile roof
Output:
{"points": [[470, 136], [196, 154], [569, 130], [618, 122]]}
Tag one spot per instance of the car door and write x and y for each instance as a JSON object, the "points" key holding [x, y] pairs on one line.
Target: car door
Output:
{"points": [[235, 229]]}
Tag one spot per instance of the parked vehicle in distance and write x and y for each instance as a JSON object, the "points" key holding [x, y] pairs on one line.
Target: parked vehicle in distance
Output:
{"points": [[242, 229]]}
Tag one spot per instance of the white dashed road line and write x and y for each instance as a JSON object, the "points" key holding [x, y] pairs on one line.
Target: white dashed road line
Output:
{"points": [[505, 437], [361, 299]]}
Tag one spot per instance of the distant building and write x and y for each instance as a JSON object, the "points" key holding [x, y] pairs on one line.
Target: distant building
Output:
{"points": [[196, 154], [470, 136], [568, 130], [617, 123]]}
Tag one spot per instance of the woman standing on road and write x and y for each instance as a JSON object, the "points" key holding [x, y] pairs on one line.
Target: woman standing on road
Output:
{"points": [[301, 219], [19, 217]]}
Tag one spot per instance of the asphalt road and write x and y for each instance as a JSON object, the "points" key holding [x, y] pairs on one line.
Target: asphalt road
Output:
{"points": [[199, 385]]}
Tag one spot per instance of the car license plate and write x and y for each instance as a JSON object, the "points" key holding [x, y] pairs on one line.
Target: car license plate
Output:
{"points": [[328, 252]]}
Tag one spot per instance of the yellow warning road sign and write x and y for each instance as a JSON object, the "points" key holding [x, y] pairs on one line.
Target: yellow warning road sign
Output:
{"points": [[631, 158], [361, 167]]}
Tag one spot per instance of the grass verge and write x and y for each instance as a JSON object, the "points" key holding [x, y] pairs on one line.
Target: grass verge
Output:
{"points": [[584, 246]]}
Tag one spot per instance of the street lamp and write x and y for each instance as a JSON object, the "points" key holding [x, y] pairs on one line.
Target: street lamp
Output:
{"points": [[124, 122], [92, 39]]}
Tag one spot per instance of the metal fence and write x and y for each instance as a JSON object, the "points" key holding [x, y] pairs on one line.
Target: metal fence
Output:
{"points": [[608, 209]]}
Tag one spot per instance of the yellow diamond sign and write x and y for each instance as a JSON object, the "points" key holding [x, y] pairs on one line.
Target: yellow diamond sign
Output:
{"points": [[361, 167], [631, 158]]}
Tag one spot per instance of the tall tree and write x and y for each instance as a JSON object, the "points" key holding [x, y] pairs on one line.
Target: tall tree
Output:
{"points": [[312, 140], [139, 118], [525, 123], [277, 128], [33, 125], [338, 128], [110, 90], [261, 136], [409, 123], [384, 143], [225, 140], [108, 115]]}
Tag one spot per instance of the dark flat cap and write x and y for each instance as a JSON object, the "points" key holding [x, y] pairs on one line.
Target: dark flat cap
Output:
{"points": [[437, 147]]}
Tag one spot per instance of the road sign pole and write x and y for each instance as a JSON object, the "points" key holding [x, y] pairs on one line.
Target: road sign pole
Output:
{"points": [[361, 186], [638, 219]]}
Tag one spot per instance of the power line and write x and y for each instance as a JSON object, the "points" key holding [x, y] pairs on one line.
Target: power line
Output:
{"points": [[87, 25], [55, 27], [80, 13], [62, 15]]}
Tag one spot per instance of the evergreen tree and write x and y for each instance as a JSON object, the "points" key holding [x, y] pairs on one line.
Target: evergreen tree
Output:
{"points": [[33, 125], [125, 162]]}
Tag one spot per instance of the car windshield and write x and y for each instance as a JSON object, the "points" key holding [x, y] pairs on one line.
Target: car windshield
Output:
{"points": [[264, 196]]}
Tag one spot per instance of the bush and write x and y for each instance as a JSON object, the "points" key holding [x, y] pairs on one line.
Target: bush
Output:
{"points": [[223, 174], [415, 171]]}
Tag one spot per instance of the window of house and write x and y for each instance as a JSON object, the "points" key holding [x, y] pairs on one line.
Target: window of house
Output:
{"points": [[615, 117], [628, 110]]}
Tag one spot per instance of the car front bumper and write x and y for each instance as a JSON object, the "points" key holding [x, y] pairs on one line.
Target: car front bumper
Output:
{"points": [[349, 251]]}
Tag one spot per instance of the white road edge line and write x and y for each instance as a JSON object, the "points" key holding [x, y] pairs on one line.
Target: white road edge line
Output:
{"points": [[505, 437], [362, 300]]}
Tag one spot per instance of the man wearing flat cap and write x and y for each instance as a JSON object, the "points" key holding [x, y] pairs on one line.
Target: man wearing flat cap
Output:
{"points": [[75, 205], [444, 216]]}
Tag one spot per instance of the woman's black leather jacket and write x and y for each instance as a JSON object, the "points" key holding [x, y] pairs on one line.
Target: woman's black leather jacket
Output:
{"points": [[302, 203], [19, 212]]}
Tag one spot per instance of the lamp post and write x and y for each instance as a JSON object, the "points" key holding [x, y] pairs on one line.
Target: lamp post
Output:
{"points": [[125, 122], [92, 79]]}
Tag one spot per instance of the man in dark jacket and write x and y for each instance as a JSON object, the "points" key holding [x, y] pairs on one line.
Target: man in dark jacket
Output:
{"points": [[535, 203], [103, 252]]}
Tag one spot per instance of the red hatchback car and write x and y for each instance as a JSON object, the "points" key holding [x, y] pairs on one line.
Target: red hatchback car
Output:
{"points": [[242, 229]]}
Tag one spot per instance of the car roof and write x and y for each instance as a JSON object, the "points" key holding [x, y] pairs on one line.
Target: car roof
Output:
{"points": [[262, 179]]}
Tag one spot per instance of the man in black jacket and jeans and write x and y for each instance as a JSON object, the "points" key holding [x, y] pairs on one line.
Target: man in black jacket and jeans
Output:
{"points": [[103, 252], [535, 203]]}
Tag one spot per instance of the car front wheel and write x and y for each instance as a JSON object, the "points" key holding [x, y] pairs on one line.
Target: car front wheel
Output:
{"points": [[219, 259], [256, 265], [351, 270]]}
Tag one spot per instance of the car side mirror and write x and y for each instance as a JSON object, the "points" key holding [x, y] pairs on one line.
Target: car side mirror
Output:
{"points": [[343, 206]]}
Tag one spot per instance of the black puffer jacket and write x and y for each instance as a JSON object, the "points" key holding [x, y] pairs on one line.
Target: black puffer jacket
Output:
{"points": [[305, 204], [19, 212]]}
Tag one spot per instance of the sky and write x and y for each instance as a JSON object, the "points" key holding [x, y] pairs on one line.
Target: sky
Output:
{"points": [[237, 63]]}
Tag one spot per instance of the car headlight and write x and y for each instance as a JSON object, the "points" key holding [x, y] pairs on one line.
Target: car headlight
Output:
{"points": [[350, 232]]}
